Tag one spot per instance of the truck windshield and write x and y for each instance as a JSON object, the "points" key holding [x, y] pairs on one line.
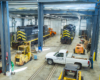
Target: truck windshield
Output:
{"points": [[56, 53]]}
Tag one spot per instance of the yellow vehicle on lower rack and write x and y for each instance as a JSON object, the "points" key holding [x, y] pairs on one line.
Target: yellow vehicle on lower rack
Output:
{"points": [[70, 72], [23, 54]]}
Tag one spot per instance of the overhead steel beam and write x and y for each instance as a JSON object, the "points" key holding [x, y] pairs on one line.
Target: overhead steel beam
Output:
{"points": [[25, 11], [5, 36], [67, 1], [56, 1], [70, 17], [40, 24], [65, 12], [54, 12]]}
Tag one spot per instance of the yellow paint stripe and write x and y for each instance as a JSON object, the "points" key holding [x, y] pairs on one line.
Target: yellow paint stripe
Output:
{"points": [[23, 39], [20, 32], [37, 38], [21, 35]]}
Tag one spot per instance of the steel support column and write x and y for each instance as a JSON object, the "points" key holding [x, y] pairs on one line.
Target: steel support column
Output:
{"points": [[35, 20], [5, 36], [88, 28], [79, 25], [40, 24], [22, 21], [95, 33]]}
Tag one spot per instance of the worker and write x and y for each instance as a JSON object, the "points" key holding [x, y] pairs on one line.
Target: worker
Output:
{"points": [[91, 60], [12, 66]]}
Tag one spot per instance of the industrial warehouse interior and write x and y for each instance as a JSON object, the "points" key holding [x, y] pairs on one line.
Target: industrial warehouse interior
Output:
{"points": [[49, 40]]}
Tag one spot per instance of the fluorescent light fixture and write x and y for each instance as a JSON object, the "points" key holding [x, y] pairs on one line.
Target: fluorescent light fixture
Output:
{"points": [[26, 16], [47, 14], [18, 15]]}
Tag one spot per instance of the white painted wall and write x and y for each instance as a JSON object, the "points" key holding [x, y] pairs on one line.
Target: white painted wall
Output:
{"points": [[18, 23], [56, 24]]}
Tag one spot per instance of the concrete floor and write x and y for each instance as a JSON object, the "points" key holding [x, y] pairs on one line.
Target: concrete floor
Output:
{"points": [[52, 44]]}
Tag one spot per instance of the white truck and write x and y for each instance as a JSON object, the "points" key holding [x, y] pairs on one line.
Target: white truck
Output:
{"points": [[64, 57]]}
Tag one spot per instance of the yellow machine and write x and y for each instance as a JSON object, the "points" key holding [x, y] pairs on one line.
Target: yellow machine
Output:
{"points": [[70, 72], [23, 54], [79, 49]]}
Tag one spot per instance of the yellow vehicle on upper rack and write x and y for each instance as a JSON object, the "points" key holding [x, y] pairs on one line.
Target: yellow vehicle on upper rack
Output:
{"points": [[23, 54], [70, 72]]}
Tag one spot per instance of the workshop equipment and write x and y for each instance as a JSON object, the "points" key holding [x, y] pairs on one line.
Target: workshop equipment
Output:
{"points": [[79, 49], [29, 33], [70, 72], [23, 54], [67, 34], [52, 33]]}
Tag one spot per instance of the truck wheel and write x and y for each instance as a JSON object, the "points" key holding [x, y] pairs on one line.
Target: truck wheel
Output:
{"points": [[74, 50], [79, 66], [82, 78], [84, 52], [50, 61], [30, 58]]}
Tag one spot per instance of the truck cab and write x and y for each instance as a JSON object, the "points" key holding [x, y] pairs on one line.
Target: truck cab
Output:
{"points": [[56, 57], [63, 57]]}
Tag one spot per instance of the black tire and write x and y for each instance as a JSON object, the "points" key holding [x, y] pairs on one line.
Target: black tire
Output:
{"points": [[30, 58], [79, 66], [50, 61], [74, 50], [82, 78], [84, 52]]}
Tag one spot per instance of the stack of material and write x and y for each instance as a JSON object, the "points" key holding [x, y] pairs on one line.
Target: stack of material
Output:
{"points": [[34, 51], [85, 44], [89, 40]]}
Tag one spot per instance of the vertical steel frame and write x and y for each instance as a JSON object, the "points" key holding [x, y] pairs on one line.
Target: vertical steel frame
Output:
{"points": [[22, 21], [35, 20], [95, 32], [79, 26], [88, 28], [40, 24], [5, 36]]}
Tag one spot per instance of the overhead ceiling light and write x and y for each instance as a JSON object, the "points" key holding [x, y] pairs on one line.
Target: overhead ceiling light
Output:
{"points": [[26, 16], [18, 15], [47, 14]]}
